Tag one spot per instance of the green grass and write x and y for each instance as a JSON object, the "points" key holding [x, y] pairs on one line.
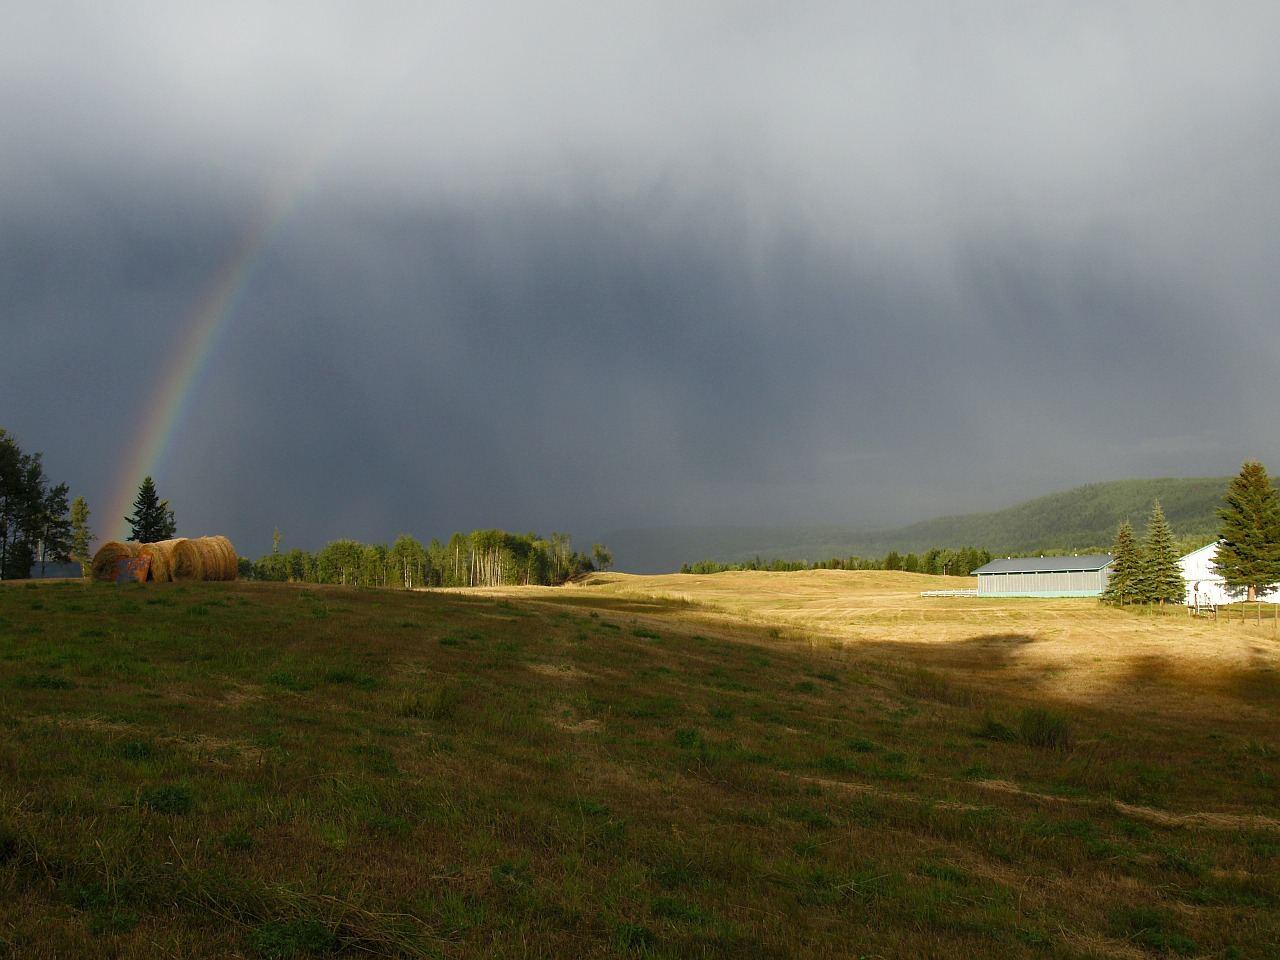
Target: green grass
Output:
{"points": [[216, 770]]}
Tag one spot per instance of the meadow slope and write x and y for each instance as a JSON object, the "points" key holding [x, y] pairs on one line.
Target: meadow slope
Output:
{"points": [[820, 764]]}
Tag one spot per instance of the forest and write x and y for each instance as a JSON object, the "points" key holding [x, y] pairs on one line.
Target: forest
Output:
{"points": [[482, 558], [35, 524], [936, 560]]}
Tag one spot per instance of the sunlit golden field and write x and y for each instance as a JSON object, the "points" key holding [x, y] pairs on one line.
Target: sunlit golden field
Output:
{"points": [[818, 764], [1070, 650]]}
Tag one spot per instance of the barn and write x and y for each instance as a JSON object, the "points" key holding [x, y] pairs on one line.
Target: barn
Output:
{"points": [[1078, 576], [1205, 586], [54, 569]]}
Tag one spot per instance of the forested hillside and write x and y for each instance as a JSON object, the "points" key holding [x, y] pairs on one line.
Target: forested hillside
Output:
{"points": [[1078, 520]]}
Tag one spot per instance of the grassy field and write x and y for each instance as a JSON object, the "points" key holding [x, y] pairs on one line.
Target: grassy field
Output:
{"points": [[744, 765]]}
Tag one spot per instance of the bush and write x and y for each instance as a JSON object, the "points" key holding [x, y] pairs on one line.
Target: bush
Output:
{"points": [[276, 941], [687, 739], [1043, 727], [993, 729], [173, 798]]}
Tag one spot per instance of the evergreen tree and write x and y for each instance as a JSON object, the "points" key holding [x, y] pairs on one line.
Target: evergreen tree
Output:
{"points": [[1161, 577], [23, 488], [152, 519], [81, 535], [1126, 566], [54, 526], [1248, 555]]}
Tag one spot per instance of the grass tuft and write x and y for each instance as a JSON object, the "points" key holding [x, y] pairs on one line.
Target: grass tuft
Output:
{"points": [[293, 938], [8, 842], [43, 681], [1046, 728], [170, 798], [995, 730]]}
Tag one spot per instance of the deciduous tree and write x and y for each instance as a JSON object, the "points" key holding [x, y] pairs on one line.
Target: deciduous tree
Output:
{"points": [[410, 560], [81, 536]]}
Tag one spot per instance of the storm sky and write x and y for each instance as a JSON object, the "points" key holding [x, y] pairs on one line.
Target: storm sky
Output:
{"points": [[592, 266]]}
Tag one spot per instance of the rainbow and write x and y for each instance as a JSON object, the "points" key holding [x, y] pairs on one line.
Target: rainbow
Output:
{"points": [[201, 333], [205, 327]]}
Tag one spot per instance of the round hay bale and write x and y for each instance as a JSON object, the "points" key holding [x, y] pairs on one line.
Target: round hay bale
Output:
{"points": [[230, 562], [103, 567], [204, 558], [213, 559], [161, 555], [188, 561]]}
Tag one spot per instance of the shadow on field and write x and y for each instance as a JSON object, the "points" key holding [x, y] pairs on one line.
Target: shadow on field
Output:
{"points": [[994, 651], [1257, 686], [1007, 664]]}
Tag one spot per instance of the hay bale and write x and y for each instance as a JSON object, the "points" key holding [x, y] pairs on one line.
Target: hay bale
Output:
{"points": [[188, 561], [103, 567], [161, 555], [230, 562], [204, 558]]}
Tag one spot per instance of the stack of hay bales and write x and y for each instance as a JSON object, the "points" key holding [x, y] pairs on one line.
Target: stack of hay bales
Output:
{"points": [[161, 555], [197, 558]]}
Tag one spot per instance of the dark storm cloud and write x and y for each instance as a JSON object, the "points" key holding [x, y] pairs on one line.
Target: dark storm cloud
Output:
{"points": [[589, 268]]}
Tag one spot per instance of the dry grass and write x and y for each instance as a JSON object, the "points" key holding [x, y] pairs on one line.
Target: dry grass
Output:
{"points": [[1076, 650], [742, 765]]}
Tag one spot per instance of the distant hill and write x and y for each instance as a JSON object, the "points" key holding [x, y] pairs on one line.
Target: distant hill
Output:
{"points": [[1078, 520]]}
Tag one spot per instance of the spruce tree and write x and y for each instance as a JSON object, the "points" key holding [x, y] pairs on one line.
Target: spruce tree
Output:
{"points": [[152, 519], [1161, 577], [1126, 565], [1248, 556]]}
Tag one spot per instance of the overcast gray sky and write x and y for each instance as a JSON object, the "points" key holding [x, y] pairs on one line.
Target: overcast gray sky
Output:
{"points": [[589, 266]]}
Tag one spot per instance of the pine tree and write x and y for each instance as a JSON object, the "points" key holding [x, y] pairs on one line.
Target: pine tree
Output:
{"points": [[81, 535], [1126, 566], [23, 487], [54, 526], [1248, 555], [1161, 577], [152, 519]]}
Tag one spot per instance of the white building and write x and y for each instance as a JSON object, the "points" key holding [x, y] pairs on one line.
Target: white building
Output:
{"points": [[1205, 586]]}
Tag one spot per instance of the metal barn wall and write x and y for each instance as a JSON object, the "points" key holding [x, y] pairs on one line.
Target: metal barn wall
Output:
{"points": [[1082, 583]]}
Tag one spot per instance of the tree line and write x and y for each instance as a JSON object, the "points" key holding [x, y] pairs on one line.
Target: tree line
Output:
{"points": [[1247, 558], [37, 526], [482, 558], [936, 561]]}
